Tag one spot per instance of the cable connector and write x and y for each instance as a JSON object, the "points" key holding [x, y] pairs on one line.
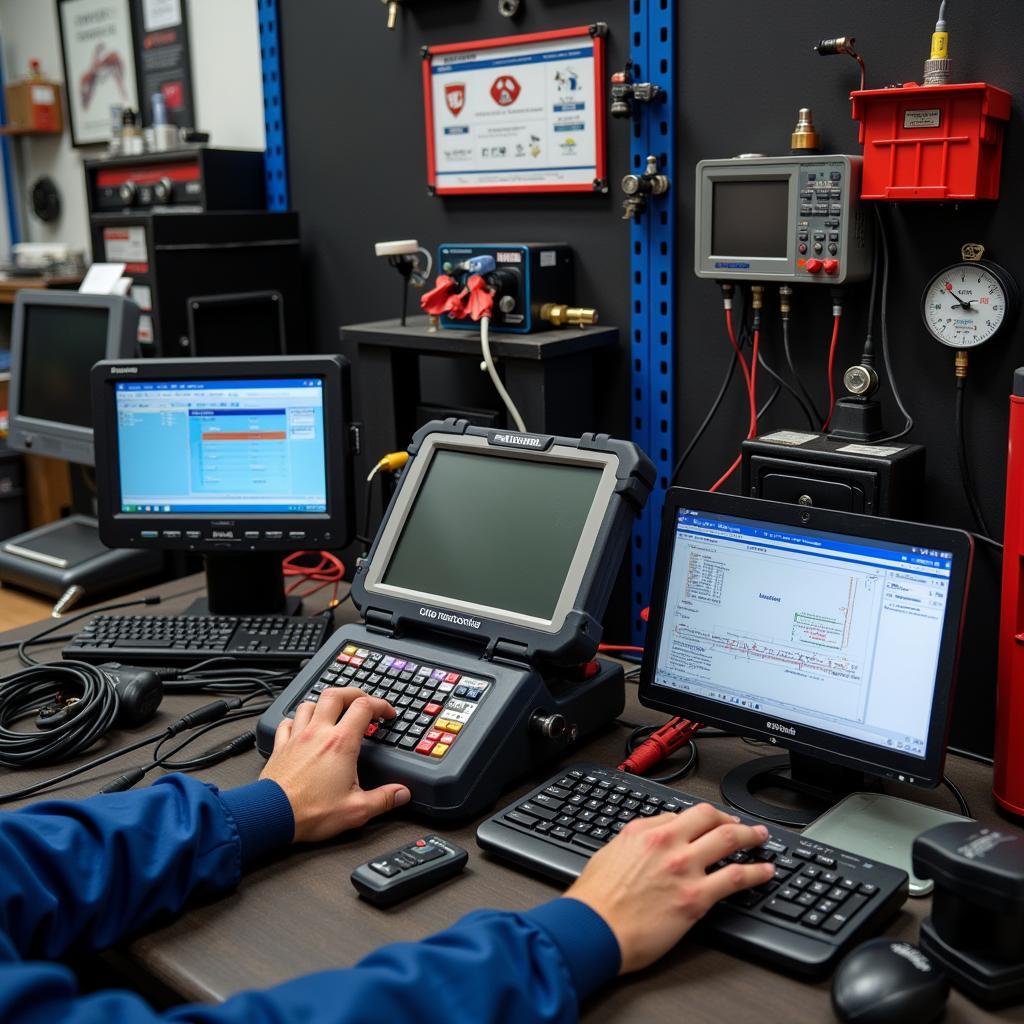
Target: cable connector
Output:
{"points": [[207, 713], [660, 745], [126, 781], [785, 299], [938, 68], [728, 290], [756, 304]]}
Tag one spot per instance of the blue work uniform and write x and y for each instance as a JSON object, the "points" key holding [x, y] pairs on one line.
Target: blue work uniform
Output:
{"points": [[80, 875]]}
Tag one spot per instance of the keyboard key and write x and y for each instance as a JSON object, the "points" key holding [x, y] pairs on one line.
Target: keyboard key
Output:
{"points": [[588, 842], [849, 883], [826, 907], [812, 919], [838, 893], [561, 833], [786, 893], [424, 746], [526, 820], [537, 811], [408, 742], [867, 889], [806, 899], [819, 888], [830, 877], [781, 908]]}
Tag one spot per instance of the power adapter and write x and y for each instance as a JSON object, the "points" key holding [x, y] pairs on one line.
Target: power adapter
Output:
{"points": [[139, 693]]}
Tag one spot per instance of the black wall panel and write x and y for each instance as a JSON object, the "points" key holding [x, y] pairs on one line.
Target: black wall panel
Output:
{"points": [[355, 135]]}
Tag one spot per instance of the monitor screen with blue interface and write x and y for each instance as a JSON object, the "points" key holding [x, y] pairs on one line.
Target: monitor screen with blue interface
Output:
{"points": [[838, 633], [222, 446]]}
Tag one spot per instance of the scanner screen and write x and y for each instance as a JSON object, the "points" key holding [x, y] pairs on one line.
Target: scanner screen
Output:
{"points": [[494, 531]]}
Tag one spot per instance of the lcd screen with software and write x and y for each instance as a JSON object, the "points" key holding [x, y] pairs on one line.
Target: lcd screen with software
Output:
{"points": [[499, 532], [61, 344], [750, 219]]}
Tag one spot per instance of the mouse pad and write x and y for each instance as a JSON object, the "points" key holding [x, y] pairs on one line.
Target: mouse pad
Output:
{"points": [[880, 827]]}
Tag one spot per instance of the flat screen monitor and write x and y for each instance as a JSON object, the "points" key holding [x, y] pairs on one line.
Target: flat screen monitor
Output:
{"points": [[56, 339], [488, 531], [227, 457], [826, 633], [750, 218]]}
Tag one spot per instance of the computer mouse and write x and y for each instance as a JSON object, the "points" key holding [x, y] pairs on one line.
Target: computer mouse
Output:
{"points": [[885, 981]]}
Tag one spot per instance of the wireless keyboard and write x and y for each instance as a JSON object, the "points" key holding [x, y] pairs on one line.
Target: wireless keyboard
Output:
{"points": [[272, 641], [821, 902]]}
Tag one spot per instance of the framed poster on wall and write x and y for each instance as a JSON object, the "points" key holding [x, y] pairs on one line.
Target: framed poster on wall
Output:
{"points": [[99, 64], [162, 59], [517, 114]]}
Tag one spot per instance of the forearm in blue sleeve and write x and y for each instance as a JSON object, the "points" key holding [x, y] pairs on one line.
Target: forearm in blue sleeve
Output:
{"points": [[489, 967], [85, 873]]}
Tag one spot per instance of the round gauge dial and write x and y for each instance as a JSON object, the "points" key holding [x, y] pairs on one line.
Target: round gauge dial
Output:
{"points": [[969, 303]]}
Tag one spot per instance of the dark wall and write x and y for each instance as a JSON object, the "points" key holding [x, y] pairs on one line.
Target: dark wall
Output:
{"points": [[356, 148]]}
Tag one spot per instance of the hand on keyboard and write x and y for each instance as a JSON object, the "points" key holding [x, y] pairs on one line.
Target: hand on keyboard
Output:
{"points": [[650, 883], [314, 762]]}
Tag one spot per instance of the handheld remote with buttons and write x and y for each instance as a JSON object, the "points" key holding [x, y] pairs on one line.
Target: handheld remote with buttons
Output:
{"points": [[409, 870]]}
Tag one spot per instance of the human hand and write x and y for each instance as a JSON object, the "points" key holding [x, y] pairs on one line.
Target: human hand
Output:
{"points": [[650, 883], [314, 762]]}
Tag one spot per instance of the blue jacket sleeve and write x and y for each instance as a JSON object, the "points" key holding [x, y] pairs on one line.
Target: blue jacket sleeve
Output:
{"points": [[82, 874]]}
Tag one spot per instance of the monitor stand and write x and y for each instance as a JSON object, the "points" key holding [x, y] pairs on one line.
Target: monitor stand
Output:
{"points": [[245, 584], [809, 786]]}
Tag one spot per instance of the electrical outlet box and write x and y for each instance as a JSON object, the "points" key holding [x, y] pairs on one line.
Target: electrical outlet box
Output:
{"points": [[524, 276]]}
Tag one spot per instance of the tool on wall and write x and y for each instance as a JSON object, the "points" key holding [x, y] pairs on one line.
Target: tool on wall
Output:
{"points": [[392, 6], [639, 187], [841, 44], [509, 8], [628, 96], [411, 260]]}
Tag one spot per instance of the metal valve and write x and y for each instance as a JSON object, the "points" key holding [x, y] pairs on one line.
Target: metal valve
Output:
{"points": [[508, 8], [626, 93], [637, 187], [392, 6], [861, 380]]}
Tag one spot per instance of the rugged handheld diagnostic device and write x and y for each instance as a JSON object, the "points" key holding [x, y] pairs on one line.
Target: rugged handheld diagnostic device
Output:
{"points": [[782, 219], [482, 600]]}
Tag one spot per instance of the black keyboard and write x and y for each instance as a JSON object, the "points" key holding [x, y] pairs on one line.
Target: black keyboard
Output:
{"points": [[270, 641], [821, 902]]}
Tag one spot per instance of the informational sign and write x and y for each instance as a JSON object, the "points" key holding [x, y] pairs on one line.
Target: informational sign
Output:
{"points": [[99, 66], [517, 114], [162, 58]]}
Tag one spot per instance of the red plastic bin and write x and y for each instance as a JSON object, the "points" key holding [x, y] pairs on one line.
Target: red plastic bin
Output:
{"points": [[931, 142]]}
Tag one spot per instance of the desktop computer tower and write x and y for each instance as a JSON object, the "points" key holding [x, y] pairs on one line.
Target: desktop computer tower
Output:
{"points": [[178, 260], [834, 473]]}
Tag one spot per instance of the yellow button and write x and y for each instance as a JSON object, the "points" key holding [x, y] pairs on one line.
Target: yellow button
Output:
{"points": [[440, 749], [452, 726], [350, 649], [442, 723]]}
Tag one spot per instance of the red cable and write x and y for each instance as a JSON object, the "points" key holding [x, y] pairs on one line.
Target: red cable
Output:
{"points": [[619, 647], [831, 364], [751, 378], [330, 569], [743, 365]]}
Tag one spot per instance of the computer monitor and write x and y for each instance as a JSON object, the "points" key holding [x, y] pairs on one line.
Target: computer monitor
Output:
{"points": [[832, 635], [237, 459], [513, 540], [56, 337]]}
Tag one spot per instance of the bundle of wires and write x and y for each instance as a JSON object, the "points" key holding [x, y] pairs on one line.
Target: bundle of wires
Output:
{"points": [[327, 571]]}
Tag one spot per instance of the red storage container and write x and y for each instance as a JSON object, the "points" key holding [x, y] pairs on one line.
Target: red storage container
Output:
{"points": [[931, 142]]}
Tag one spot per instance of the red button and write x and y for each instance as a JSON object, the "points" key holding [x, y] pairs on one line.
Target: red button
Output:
{"points": [[371, 729], [432, 709], [434, 734], [343, 658], [448, 737], [831, 266], [813, 266], [421, 842], [452, 677], [424, 746]]}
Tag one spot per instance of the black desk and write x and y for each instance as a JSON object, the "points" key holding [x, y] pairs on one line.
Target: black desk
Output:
{"points": [[301, 914]]}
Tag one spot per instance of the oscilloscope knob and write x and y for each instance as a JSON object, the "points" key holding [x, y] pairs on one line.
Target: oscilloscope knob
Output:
{"points": [[805, 499]]}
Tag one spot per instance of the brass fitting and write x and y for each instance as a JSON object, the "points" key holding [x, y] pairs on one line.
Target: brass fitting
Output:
{"points": [[560, 315], [960, 365], [756, 296], [804, 137], [785, 294]]}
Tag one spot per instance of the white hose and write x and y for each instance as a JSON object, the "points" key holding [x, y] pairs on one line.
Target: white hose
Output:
{"points": [[485, 345]]}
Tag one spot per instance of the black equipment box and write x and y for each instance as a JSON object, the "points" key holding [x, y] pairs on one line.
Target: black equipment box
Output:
{"points": [[187, 180], [178, 258], [525, 276], [814, 469], [976, 927], [483, 693]]}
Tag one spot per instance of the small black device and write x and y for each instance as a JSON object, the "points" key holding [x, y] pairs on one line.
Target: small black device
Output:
{"points": [[884, 981], [976, 927], [821, 902], [198, 178], [525, 277], [239, 324], [238, 459], [139, 693], [827, 471], [408, 871], [189, 639], [482, 598], [832, 635], [56, 337]]}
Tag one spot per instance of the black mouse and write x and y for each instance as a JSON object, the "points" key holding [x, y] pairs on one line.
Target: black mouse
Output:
{"points": [[885, 981]]}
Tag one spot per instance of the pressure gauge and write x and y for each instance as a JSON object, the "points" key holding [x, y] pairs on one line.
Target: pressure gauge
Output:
{"points": [[970, 302]]}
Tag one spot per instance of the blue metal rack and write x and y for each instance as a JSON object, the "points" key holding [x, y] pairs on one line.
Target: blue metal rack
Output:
{"points": [[275, 157], [652, 276]]}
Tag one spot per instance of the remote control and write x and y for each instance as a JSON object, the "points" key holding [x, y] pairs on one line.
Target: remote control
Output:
{"points": [[411, 869]]}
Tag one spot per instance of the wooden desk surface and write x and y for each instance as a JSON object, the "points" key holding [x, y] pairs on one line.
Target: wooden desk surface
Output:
{"points": [[301, 914]]}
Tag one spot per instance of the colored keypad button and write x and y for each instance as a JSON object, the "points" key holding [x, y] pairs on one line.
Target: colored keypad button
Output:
{"points": [[447, 738], [434, 734], [425, 746], [453, 727], [440, 749], [371, 729], [461, 691], [452, 677], [343, 658], [432, 709], [350, 649]]}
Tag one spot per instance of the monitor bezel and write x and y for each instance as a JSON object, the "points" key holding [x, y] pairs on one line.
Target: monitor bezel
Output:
{"points": [[837, 749], [52, 438], [421, 603], [333, 528]]}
